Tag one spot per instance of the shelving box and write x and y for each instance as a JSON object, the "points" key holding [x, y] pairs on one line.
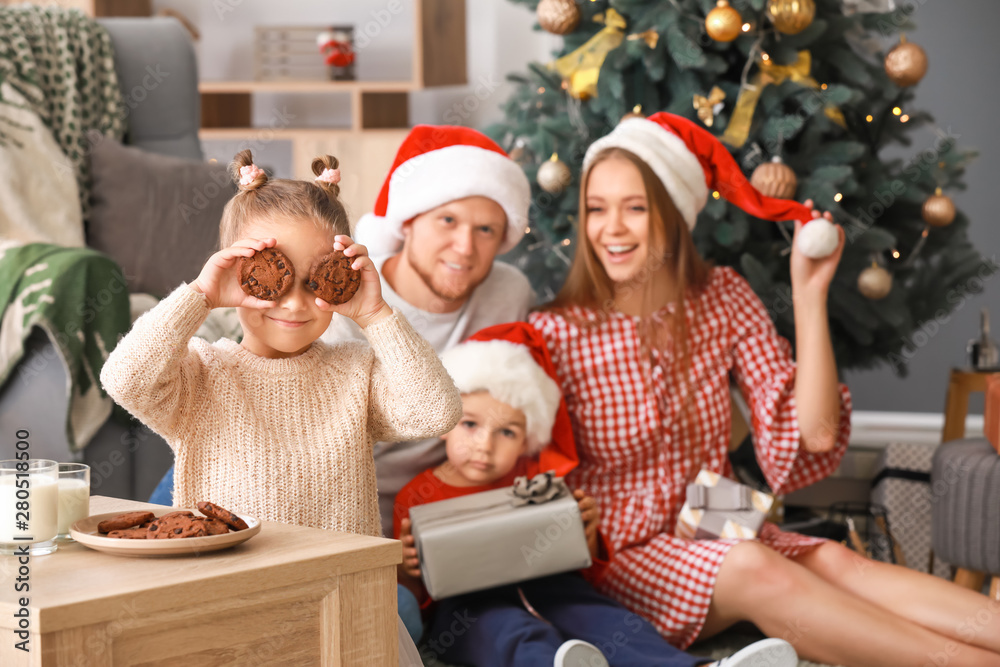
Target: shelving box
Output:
{"points": [[379, 109]]}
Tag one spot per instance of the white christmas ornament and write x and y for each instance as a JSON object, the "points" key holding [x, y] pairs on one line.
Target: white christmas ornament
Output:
{"points": [[818, 238]]}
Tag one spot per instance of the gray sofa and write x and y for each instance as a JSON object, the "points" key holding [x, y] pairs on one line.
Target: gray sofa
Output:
{"points": [[157, 73]]}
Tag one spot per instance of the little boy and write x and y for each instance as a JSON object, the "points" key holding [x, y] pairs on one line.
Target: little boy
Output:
{"points": [[509, 404]]}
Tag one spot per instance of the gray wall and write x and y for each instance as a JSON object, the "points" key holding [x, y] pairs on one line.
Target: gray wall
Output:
{"points": [[960, 37]]}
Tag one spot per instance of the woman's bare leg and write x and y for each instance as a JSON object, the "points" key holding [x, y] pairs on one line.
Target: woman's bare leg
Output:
{"points": [[934, 603], [823, 622]]}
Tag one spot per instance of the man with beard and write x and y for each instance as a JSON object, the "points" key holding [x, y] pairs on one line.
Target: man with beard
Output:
{"points": [[451, 203]]}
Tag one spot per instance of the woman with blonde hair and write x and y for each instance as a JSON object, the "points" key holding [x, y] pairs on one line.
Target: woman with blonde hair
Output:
{"points": [[645, 336]]}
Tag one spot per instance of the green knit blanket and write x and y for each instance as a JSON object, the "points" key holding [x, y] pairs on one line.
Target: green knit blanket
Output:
{"points": [[62, 62], [79, 298]]}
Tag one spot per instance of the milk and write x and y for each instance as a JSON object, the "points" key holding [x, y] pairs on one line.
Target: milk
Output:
{"points": [[43, 510], [74, 503]]}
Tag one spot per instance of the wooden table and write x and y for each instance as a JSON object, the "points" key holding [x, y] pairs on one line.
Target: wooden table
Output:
{"points": [[287, 596]]}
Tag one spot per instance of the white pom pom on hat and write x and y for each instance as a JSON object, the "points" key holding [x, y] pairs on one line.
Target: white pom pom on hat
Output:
{"points": [[437, 164], [690, 161]]}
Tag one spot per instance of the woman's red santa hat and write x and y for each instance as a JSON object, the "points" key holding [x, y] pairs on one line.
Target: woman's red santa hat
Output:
{"points": [[690, 161], [512, 363], [437, 164]]}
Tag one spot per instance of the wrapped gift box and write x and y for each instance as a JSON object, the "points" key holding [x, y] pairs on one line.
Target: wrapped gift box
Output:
{"points": [[493, 538], [719, 507], [902, 486]]}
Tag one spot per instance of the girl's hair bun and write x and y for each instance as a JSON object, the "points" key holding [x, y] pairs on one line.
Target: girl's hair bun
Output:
{"points": [[247, 175], [326, 169]]}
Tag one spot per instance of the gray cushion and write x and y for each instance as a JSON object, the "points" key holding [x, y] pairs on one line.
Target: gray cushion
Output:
{"points": [[158, 77], [156, 216], [965, 488]]}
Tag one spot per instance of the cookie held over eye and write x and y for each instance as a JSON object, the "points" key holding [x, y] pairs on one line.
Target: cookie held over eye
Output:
{"points": [[267, 275], [332, 278]]}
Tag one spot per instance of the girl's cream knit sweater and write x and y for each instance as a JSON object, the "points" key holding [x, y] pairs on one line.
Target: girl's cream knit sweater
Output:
{"points": [[286, 440]]}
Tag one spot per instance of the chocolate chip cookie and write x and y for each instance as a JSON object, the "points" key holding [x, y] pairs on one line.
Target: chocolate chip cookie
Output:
{"points": [[214, 511], [332, 279], [176, 527], [140, 532], [267, 275], [214, 526], [123, 521]]}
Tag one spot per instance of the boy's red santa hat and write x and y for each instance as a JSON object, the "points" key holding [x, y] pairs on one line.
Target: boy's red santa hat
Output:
{"points": [[690, 161], [437, 164], [512, 363]]}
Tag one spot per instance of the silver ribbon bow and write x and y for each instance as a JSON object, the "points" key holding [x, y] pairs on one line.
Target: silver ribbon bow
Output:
{"points": [[541, 488]]}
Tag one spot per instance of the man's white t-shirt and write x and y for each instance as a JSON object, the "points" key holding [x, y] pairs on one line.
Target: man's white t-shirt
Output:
{"points": [[504, 296]]}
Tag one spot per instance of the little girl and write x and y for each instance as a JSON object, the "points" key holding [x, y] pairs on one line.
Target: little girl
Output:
{"points": [[281, 425]]}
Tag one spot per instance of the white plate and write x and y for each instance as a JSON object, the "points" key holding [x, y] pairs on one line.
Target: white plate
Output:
{"points": [[85, 532]]}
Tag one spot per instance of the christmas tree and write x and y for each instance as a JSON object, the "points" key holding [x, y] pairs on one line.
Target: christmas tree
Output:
{"points": [[825, 86]]}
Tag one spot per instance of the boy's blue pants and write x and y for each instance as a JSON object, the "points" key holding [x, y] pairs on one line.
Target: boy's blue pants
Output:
{"points": [[493, 628]]}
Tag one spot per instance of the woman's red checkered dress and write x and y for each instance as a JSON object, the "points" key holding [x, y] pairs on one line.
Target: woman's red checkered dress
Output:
{"points": [[625, 408]]}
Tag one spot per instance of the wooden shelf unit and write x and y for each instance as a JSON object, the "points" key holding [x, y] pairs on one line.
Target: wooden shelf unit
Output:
{"points": [[379, 109]]}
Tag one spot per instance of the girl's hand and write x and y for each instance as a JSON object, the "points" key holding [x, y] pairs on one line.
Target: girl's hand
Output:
{"points": [[410, 567], [812, 277], [367, 305], [591, 516], [219, 280]]}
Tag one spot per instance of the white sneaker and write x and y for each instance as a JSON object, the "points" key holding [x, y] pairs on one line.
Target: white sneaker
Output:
{"points": [[578, 653], [765, 653]]}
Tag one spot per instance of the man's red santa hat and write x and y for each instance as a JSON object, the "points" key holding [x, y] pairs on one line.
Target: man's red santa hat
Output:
{"points": [[512, 363], [690, 162], [437, 164]]}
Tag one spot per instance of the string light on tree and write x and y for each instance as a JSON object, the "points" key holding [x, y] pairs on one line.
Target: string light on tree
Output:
{"points": [[906, 63], [938, 210], [723, 23], [791, 16], [775, 179], [560, 17], [554, 175]]}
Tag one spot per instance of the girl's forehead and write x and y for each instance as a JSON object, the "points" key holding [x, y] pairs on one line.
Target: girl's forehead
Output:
{"points": [[299, 239]]}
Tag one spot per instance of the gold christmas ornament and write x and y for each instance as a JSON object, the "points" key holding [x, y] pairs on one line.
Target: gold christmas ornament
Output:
{"points": [[554, 175], [708, 107], [906, 63], [791, 16], [875, 283], [775, 179], [636, 112], [723, 24], [560, 17], [938, 210]]}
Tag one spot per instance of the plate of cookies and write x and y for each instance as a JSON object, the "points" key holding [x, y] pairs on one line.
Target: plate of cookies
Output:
{"points": [[166, 531]]}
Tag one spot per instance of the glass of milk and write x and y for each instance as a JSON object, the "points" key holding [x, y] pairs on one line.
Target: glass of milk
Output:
{"points": [[29, 506], [74, 497]]}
